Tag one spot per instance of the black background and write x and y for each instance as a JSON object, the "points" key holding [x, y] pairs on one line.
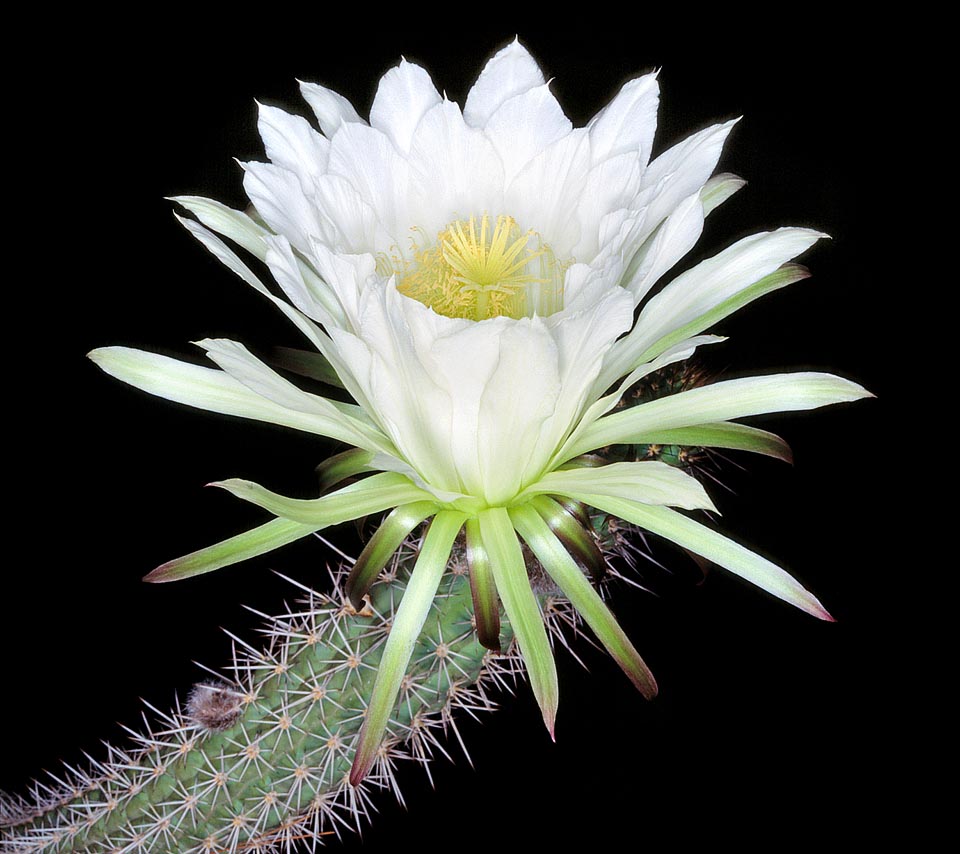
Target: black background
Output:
{"points": [[770, 724]]}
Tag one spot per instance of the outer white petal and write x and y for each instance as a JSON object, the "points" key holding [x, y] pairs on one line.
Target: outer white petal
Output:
{"points": [[347, 276], [351, 221], [455, 169], [405, 93], [525, 125], [718, 189], [228, 258], [334, 304], [290, 142], [584, 286], [723, 401], [246, 368], [236, 225], [582, 340], [462, 361], [279, 198], [676, 236], [519, 398], [602, 403], [682, 170], [332, 110], [313, 297], [509, 72], [712, 281], [621, 233], [404, 397], [628, 122], [217, 391]]}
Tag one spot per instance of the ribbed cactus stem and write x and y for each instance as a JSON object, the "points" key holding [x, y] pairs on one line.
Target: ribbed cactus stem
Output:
{"points": [[260, 762]]}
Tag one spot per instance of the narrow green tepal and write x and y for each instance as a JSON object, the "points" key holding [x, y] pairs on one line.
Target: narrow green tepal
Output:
{"points": [[258, 541], [383, 545], [486, 605], [408, 621], [513, 584]]}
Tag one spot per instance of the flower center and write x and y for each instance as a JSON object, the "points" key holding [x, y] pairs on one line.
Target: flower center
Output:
{"points": [[478, 268]]}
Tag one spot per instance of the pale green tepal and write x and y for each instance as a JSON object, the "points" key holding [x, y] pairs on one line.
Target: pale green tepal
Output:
{"points": [[479, 282]]}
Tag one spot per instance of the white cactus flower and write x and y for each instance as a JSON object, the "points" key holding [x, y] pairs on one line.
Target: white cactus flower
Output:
{"points": [[479, 281]]}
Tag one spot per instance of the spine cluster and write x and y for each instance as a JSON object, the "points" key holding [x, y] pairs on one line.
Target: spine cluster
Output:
{"points": [[259, 762]]}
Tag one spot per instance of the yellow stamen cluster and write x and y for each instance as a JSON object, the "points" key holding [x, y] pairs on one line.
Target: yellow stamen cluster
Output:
{"points": [[477, 269]]}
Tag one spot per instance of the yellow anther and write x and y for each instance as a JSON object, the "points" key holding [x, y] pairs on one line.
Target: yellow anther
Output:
{"points": [[478, 269]]}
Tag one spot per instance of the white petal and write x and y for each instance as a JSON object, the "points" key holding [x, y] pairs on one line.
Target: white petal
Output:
{"points": [[246, 368], [718, 189], [582, 340], [279, 198], [628, 122], [518, 399], [610, 186], [226, 221], [328, 303], [544, 195], [457, 171], [405, 397], [683, 170], [405, 93], [508, 73], [621, 233], [352, 222], [228, 258], [332, 110], [525, 125], [368, 160], [313, 296], [290, 142], [602, 403], [584, 286], [347, 276], [676, 236], [462, 360]]}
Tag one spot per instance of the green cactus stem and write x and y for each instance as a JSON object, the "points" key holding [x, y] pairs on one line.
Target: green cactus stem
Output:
{"points": [[260, 762]]}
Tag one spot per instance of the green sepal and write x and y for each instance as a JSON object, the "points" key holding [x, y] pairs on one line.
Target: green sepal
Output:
{"points": [[382, 546], [714, 547], [577, 539], [720, 401], [562, 568], [483, 588], [780, 278], [339, 467], [649, 481], [370, 495], [722, 434], [513, 584], [409, 619], [305, 363], [272, 535], [718, 189]]}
